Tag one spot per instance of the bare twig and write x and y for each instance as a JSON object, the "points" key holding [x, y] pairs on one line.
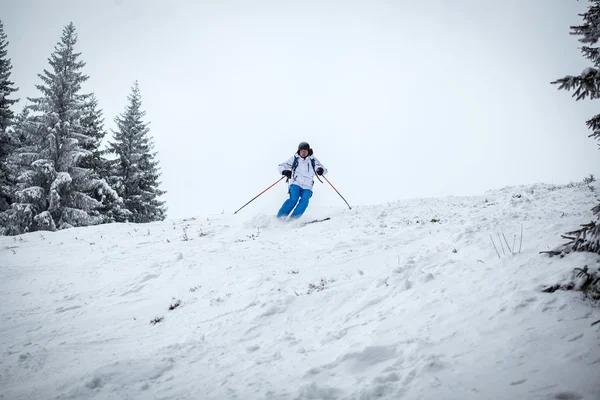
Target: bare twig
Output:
{"points": [[597, 322], [501, 245], [521, 242], [507, 246], [494, 244], [568, 237], [514, 242]]}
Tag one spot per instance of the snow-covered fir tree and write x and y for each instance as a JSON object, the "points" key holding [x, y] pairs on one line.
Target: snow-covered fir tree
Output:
{"points": [[7, 138], [587, 85], [135, 169], [54, 187], [8, 144], [6, 86], [92, 124], [19, 218], [112, 208]]}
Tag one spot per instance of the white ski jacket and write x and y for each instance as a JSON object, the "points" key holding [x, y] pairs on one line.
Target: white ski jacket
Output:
{"points": [[303, 175]]}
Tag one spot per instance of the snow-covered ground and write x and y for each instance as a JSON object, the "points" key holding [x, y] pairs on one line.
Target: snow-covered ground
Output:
{"points": [[378, 302]]}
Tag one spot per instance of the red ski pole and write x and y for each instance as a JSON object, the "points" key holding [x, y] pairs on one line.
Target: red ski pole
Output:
{"points": [[337, 191], [279, 180]]}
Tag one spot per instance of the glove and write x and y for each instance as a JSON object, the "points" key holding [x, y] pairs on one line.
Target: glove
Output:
{"points": [[287, 173], [320, 171]]}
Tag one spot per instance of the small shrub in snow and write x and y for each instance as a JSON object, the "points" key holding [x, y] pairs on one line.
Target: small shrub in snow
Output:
{"points": [[318, 287], [219, 300], [253, 236], [156, 320], [174, 305], [588, 180], [194, 288], [504, 245]]}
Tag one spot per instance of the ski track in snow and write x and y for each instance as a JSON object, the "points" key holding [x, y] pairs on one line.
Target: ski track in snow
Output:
{"points": [[378, 302]]}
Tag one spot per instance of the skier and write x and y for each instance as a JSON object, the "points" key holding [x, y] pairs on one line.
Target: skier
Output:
{"points": [[301, 169]]}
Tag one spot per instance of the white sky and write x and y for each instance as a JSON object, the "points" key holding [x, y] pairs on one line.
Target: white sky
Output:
{"points": [[399, 99]]}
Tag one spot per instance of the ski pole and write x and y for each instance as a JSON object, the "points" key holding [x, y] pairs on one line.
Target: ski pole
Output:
{"points": [[337, 191], [279, 180]]}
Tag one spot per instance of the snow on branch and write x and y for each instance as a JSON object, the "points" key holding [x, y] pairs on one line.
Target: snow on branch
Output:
{"points": [[585, 85]]}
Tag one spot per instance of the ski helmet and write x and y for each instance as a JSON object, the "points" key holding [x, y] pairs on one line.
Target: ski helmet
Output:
{"points": [[304, 146]]}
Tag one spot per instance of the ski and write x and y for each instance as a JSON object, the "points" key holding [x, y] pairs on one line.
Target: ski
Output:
{"points": [[316, 220]]}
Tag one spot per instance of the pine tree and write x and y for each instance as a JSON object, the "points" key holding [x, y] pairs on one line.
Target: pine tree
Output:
{"points": [[29, 201], [587, 85], [7, 139], [112, 208], [92, 123], [136, 169], [54, 187], [6, 86], [8, 144]]}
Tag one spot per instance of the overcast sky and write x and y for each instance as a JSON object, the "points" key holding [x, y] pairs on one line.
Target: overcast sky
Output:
{"points": [[399, 99]]}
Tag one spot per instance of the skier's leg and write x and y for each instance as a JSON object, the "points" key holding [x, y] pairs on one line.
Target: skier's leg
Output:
{"points": [[305, 195], [289, 204]]}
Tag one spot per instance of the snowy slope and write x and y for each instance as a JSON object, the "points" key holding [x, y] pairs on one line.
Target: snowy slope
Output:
{"points": [[378, 302]]}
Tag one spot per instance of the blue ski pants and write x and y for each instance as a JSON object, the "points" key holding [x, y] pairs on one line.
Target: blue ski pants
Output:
{"points": [[298, 196]]}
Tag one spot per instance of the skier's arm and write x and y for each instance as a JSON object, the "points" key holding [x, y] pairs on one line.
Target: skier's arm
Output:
{"points": [[319, 165], [287, 165]]}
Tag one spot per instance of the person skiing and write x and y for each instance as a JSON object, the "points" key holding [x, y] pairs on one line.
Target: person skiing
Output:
{"points": [[301, 169]]}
